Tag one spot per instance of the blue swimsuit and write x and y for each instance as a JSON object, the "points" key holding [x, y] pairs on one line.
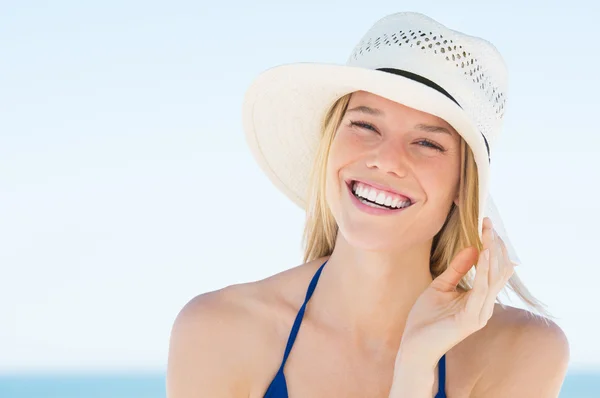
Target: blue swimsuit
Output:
{"points": [[278, 387]]}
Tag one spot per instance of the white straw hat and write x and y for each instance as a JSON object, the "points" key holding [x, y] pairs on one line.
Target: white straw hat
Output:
{"points": [[405, 57]]}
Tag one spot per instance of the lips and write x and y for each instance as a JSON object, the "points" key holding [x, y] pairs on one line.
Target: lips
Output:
{"points": [[373, 209], [378, 186]]}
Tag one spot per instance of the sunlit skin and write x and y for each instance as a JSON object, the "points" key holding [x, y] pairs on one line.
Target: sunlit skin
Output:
{"points": [[380, 264], [414, 152], [377, 323]]}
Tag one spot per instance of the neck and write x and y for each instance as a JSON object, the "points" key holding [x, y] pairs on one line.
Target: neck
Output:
{"points": [[369, 294]]}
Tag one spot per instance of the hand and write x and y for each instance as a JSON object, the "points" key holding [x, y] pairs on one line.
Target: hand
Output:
{"points": [[442, 317]]}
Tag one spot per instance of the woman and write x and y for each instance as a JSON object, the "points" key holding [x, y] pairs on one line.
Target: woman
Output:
{"points": [[389, 156]]}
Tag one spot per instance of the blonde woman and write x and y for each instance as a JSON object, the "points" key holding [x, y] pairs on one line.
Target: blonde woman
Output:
{"points": [[405, 253]]}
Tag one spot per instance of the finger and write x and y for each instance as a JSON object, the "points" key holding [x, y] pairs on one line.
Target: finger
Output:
{"points": [[479, 292], [490, 302], [495, 264], [457, 269], [505, 271], [494, 281], [505, 264], [503, 246], [507, 267], [486, 234]]}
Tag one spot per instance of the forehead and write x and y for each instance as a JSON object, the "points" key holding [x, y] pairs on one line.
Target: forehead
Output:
{"points": [[392, 109]]}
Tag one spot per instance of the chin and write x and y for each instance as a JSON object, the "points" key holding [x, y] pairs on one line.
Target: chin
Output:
{"points": [[375, 233], [373, 245], [376, 238], [371, 234]]}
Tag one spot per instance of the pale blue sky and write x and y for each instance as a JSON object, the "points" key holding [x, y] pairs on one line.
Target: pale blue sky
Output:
{"points": [[125, 179]]}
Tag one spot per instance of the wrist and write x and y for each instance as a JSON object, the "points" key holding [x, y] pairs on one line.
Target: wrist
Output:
{"points": [[412, 382], [414, 375], [415, 355]]}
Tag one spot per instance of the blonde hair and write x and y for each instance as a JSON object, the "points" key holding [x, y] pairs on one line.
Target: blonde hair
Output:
{"points": [[459, 230]]}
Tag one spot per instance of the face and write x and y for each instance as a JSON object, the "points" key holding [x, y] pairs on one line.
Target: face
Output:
{"points": [[404, 158]]}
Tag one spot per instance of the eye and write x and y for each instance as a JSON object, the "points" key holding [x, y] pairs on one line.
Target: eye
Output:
{"points": [[431, 144], [363, 125]]}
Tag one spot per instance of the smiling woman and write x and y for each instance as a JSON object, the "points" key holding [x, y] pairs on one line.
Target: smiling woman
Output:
{"points": [[391, 166], [392, 155]]}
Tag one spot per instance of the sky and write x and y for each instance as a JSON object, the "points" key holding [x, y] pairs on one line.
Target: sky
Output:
{"points": [[125, 179]]}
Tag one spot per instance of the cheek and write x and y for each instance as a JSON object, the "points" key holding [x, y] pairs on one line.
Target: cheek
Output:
{"points": [[345, 145], [344, 150], [335, 162], [440, 181]]}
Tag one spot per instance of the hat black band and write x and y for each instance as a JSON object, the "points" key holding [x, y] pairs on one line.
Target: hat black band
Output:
{"points": [[433, 85]]}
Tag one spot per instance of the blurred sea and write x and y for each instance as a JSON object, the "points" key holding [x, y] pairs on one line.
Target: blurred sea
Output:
{"points": [[577, 385]]}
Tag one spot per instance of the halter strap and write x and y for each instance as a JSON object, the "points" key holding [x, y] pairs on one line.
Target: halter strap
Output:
{"points": [[300, 315]]}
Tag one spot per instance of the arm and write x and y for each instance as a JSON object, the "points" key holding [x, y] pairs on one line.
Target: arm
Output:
{"points": [[443, 316], [413, 377], [530, 363], [533, 364], [204, 358]]}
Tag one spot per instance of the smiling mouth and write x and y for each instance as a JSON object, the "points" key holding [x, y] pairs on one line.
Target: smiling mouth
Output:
{"points": [[375, 198]]}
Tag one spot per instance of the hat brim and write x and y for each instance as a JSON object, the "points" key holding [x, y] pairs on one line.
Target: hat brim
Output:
{"points": [[284, 108]]}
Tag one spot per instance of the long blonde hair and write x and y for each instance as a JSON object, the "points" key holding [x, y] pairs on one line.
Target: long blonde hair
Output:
{"points": [[459, 230]]}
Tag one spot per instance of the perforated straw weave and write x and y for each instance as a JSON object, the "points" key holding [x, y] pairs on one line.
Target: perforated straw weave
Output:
{"points": [[406, 57], [456, 55]]}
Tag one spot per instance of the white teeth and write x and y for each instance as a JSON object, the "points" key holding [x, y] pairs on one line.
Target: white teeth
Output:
{"points": [[371, 204], [372, 195], [378, 196]]}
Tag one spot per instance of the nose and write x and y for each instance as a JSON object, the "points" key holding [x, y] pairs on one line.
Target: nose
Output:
{"points": [[390, 157]]}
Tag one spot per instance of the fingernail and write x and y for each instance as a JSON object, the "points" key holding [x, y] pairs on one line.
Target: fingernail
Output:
{"points": [[486, 254]]}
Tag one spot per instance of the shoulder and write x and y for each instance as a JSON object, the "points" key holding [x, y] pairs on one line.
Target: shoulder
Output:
{"points": [[223, 341], [526, 355], [205, 353]]}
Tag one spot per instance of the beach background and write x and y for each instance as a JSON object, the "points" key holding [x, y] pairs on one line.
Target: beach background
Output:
{"points": [[125, 178], [577, 385]]}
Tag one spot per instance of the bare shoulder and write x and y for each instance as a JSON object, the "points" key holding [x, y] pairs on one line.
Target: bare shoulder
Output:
{"points": [[223, 342], [205, 353], [526, 355]]}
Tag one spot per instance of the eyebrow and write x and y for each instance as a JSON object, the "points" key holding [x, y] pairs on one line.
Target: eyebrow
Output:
{"points": [[421, 126], [432, 129], [366, 109]]}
